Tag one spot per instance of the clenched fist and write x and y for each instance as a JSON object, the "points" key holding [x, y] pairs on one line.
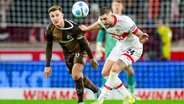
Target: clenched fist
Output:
{"points": [[47, 72], [94, 63]]}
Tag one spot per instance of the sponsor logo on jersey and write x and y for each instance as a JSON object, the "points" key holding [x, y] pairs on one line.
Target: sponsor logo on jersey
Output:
{"points": [[118, 31], [69, 36]]}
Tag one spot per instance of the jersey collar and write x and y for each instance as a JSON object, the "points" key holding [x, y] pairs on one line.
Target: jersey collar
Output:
{"points": [[115, 20], [67, 28]]}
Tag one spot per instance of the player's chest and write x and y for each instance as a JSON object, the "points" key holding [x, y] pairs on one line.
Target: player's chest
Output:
{"points": [[118, 32], [118, 29], [61, 35]]}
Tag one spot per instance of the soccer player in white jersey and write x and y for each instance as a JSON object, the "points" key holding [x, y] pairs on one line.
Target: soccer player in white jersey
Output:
{"points": [[128, 49], [117, 8]]}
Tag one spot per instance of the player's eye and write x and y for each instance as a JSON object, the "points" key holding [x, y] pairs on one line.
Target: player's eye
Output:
{"points": [[52, 16], [105, 19]]}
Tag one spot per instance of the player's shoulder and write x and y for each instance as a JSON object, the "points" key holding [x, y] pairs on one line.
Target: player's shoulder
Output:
{"points": [[71, 21], [125, 18], [70, 25], [75, 29]]}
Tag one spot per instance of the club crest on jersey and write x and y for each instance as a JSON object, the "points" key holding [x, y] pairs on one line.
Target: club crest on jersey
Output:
{"points": [[118, 31], [69, 36]]}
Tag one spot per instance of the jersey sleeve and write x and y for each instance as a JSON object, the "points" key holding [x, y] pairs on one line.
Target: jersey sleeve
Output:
{"points": [[49, 40], [131, 26], [101, 34], [48, 33]]}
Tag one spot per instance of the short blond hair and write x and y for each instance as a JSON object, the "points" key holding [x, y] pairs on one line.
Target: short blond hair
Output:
{"points": [[119, 1], [54, 8]]}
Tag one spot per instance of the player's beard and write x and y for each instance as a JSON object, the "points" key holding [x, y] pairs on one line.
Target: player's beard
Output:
{"points": [[108, 25]]}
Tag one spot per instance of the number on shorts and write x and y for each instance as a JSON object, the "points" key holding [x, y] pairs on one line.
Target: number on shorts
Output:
{"points": [[130, 51], [77, 54]]}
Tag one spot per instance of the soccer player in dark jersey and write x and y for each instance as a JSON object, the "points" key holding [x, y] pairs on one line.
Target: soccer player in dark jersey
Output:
{"points": [[75, 48]]}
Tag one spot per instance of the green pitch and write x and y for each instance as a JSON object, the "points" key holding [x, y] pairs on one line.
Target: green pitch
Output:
{"points": [[88, 102]]}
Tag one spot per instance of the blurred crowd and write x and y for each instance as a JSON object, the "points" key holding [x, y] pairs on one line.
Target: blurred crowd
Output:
{"points": [[163, 20]]}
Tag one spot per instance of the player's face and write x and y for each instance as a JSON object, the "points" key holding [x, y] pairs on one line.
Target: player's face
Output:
{"points": [[117, 8], [106, 19], [56, 17]]}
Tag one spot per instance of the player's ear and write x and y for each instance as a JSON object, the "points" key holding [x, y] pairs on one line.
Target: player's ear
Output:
{"points": [[62, 14]]}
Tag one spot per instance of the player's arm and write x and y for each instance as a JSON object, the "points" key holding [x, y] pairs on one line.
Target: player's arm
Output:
{"points": [[131, 26], [143, 37], [48, 52], [85, 45], [49, 42], [94, 26]]}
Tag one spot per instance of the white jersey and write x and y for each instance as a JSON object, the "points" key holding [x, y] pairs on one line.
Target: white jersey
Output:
{"points": [[123, 31]]}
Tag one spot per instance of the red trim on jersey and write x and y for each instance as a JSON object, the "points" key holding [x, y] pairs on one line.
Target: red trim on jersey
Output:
{"points": [[130, 57], [115, 20], [107, 87], [124, 35], [119, 85], [119, 37], [135, 31]]}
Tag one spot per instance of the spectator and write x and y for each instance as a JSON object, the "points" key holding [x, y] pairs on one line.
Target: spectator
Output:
{"points": [[3, 10], [153, 8], [152, 49], [175, 9], [3, 25], [166, 37]]}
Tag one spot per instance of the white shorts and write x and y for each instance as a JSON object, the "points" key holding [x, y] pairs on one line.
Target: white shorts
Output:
{"points": [[129, 54]]}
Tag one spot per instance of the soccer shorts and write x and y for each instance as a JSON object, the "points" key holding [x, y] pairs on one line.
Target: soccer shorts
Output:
{"points": [[128, 55], [72, 58]]}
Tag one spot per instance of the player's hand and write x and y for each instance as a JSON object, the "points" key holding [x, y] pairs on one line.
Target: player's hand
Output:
{"points": [[83, 28], [47, 72], [99, 50], [94, 63], [143, 38]]}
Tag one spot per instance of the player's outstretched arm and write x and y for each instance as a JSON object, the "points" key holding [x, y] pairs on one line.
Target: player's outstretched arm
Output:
{"points": [[94, 26], [83, 43]]}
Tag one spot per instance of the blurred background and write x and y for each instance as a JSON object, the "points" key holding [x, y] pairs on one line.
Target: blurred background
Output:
{"points": [[22, 49]]}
